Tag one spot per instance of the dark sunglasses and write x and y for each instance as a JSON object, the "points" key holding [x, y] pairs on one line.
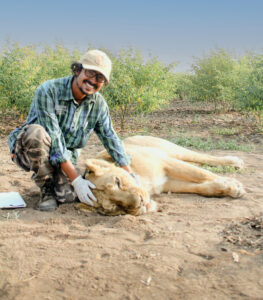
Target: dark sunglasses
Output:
{"points": [[91, 74]]}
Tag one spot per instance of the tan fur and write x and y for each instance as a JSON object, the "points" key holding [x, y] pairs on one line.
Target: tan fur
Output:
{"points": [[162, 167]]}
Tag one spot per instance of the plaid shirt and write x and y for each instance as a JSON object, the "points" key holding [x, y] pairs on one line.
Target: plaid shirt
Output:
{"points": [[69, 124]]}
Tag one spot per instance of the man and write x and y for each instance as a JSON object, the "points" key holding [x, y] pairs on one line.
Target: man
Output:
{"points": [[62, 116]]}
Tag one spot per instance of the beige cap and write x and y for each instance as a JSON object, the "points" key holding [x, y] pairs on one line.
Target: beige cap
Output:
{"points": [[98, 61]]}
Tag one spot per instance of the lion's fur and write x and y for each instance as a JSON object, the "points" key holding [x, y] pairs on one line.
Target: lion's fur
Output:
{"points": [[162, 167]]}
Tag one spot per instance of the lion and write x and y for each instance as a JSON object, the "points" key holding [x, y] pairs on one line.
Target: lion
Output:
{"points": [[162, 167]]}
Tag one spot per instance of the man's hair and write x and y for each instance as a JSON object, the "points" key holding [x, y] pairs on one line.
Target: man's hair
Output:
{"points": [[76, 67]]}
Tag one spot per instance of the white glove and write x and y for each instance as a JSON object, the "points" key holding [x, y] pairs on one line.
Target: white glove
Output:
{"points": [[82, 189]]}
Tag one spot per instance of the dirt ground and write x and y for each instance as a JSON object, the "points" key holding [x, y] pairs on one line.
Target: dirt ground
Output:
{"points": [[192, 248]]}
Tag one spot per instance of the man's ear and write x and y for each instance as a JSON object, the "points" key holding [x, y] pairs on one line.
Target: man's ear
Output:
{"points": [[97, 166]]}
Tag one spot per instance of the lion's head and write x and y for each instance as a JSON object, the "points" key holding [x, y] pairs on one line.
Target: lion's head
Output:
{"points": [[116, 191]]}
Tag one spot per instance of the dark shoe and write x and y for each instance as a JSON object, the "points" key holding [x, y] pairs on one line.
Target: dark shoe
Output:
{"points": [[48, 200]]}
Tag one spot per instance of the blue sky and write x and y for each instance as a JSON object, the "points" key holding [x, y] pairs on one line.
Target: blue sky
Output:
{"points": [[173, 30]]}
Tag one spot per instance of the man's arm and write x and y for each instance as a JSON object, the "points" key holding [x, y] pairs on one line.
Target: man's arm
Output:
{"points": [[127, 168], [110, 139], [69, 170], [113, 144]]}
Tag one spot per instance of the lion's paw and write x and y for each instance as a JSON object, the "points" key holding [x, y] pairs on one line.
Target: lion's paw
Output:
{"points": [[233, 187], [234, 161]]}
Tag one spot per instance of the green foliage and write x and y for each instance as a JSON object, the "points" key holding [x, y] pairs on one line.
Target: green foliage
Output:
{"points": [[225, 81], [22, 69], [18, 69], [209, 144], [249, 88], [213, 78], [56, 62], [137, 86], [184, 86], [224, 131], [223, 169]]}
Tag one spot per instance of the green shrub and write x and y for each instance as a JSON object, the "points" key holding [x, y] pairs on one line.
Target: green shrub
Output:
{"points": [[184, 87], [228, 82], [213, 78], [137, 86], [17, 73], [22, 69], [249, 88], [56, 62]]}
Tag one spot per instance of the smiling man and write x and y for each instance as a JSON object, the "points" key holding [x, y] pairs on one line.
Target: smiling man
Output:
{"points": [[62, 116]]}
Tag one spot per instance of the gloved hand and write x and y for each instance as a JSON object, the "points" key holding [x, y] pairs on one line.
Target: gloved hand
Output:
{"points": [[82, 189], [136, 178]]}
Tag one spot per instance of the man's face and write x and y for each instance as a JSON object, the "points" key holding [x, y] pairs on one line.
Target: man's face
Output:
{"points": [[89, 82]]}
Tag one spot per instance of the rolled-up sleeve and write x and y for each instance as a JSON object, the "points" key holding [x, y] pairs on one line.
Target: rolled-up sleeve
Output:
{"points": [[110, 139], [46, 117]]}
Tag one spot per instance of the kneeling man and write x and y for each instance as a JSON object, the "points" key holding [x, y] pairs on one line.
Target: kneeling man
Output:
{"points": [[62, 116]]}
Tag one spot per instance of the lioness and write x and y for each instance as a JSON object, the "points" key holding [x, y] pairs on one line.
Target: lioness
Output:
{"points": [[162, 167]]}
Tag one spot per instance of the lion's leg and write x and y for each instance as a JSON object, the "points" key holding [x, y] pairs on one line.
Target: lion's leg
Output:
{"points": [[185, 178], [182, 153], [202, 158], [219, 187], [183, 171]]}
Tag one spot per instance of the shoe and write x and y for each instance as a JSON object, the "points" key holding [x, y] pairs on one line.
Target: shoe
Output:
{"points": [[47, 200]]}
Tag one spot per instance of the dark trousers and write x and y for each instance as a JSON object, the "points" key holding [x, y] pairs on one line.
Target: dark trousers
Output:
{"points": [[32, 154]]}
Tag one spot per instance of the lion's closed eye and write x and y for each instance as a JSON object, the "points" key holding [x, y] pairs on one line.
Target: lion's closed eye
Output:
{"points": [[118, 182]]}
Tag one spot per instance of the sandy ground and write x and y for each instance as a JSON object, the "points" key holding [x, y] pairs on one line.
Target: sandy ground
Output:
{"points": [[192, 248]]}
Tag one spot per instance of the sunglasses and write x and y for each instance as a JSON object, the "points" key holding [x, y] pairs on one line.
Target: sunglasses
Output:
{"points": [[91, 74]]}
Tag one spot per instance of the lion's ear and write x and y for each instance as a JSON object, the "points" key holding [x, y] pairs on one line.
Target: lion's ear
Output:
{"points": [[97, 166]]}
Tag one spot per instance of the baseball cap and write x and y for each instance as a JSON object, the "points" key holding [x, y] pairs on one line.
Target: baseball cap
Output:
{"points": [[98, 61]]}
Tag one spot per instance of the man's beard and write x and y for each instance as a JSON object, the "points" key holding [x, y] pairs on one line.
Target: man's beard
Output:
{"points": [[86, 81]]}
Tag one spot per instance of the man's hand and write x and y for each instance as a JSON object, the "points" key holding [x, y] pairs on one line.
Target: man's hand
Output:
{"points": [[82, 189]]}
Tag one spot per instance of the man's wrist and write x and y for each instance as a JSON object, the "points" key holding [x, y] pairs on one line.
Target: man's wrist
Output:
{"points": [[74, 181], [127, 168], [69, 170]]}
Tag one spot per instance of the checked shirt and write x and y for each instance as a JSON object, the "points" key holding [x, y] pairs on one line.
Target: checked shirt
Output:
{"points": [[70, 125]]}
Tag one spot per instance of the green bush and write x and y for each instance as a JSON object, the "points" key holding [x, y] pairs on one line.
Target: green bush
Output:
{"points": [[17, 74], [213, 78], [137, 86], [184, 87], [22, 69], [225, 81], [249, 89]]}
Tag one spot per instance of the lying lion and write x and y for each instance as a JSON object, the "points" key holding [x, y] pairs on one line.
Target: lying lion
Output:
{"points": [[162, 167]]}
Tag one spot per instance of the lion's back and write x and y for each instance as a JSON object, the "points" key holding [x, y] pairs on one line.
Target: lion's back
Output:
{"points": [[157, 143], [146, 161]]}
